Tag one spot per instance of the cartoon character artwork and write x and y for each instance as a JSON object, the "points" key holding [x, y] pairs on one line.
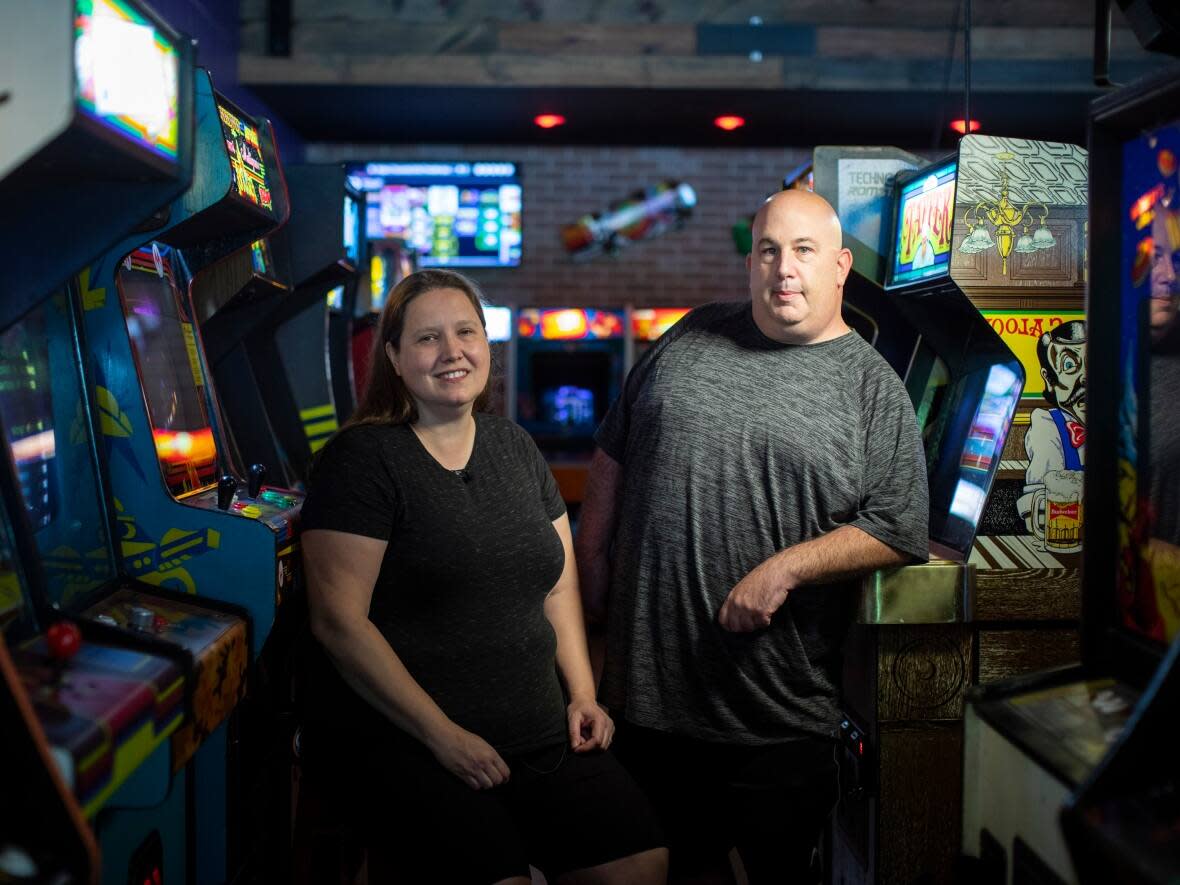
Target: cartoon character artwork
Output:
{"points": [[1051, 503]]}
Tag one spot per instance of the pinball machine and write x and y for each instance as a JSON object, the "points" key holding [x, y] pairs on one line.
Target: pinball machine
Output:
{"points": [[925, 634], [1094, 738]]}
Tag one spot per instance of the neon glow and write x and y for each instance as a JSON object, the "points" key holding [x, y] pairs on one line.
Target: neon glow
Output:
{"points": [[127, 75], [568, 324], [649, 323], [38, 447], [245, 159], [960, 126], [185, 446], [549, 121], [729, 122]]}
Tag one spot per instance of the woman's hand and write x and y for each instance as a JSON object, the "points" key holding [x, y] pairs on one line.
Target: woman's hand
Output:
{"points": [[469, 757], [590, 726]]}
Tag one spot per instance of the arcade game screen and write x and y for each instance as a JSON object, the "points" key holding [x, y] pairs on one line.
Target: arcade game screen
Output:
{"points": [[26, 407], [499, 323], [923, 217], [261, 259], [42, 411], [352, 230], [450, 214], [245, 158], [16, 616], [1149, 446], [127, 76], [163, 340], [571, 389]]}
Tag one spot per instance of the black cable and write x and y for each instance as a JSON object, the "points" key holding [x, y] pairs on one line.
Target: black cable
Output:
{"points": [[946, 80], [967, 71]]}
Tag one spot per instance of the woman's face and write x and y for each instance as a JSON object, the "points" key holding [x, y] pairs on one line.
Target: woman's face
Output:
{"points": [[443, 356]]}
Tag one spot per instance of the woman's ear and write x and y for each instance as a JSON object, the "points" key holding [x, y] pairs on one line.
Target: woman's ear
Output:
{"points": [[391, 354]]}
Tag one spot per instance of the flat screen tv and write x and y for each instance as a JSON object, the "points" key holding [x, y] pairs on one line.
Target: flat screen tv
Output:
{"points": [[450, 214], [923, 216]]}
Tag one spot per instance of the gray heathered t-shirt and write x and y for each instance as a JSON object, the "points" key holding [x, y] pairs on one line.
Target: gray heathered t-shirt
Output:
{"points": [[735, 447]]}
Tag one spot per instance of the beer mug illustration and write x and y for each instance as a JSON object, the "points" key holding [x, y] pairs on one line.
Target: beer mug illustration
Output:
{"points": [[1057, 512]]}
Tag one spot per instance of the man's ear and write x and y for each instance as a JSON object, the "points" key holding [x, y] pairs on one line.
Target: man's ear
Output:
{"points": [[843, 265]]}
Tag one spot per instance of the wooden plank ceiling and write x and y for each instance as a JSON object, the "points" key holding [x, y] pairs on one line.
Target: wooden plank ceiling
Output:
{"points": [[1029, 45]]}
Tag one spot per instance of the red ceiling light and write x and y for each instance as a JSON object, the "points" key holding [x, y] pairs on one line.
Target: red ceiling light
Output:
{"points": [[960, 126], [729, 122], [549, 121]]}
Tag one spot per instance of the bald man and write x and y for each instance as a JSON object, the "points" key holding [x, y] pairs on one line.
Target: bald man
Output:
{"points": [[761, 456]]}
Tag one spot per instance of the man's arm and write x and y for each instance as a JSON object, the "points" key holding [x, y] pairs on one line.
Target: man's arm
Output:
{"points": [[843, 553], [596, 527]]}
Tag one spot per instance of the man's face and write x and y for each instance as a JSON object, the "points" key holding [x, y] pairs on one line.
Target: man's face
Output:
{"points": [[1165, 286], [797, 269], [1069, 362]]}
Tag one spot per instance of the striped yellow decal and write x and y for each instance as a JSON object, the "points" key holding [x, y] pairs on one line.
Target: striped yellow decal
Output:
{"points": [[319, 423]]}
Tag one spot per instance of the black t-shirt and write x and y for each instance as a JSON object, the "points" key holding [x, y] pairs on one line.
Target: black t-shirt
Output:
{"points": [[462, 585]]}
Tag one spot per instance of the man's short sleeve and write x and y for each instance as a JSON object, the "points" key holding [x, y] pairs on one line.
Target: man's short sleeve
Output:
{"points": [[895, 501], [351, 488]]}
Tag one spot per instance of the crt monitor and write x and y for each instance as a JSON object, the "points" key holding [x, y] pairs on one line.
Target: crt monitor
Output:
{"points": [[571, 390], [163, 340], [42, 410], [252, 184], [923, 216], [126, 78], [449, 214]]}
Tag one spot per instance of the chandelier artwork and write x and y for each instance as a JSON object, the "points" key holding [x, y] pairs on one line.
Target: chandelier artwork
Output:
{"points": [[1005, 217]]}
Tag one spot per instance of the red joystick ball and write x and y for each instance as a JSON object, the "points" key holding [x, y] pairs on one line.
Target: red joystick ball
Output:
{"points": [[64, 639]]}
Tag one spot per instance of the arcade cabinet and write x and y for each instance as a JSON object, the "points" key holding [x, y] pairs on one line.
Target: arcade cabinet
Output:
{"points": [[498, 321], [569, 369], [115, 155], [1101, 731], [270, 353], [648, 324], [186, 521], [153, 665], [909, 656], [388, 263]]}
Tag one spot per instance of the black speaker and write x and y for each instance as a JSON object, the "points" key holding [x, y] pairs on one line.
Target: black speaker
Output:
{"points": [[1156, 23]]}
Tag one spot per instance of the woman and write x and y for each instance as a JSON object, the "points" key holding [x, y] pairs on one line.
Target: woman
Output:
{"points": [[442, 585]]}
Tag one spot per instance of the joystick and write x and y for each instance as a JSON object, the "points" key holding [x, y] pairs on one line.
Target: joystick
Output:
{"points": [[257, 475], [226, 486]]}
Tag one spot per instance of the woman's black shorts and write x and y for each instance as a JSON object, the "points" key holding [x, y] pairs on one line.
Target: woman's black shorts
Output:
{"points": [[559, 811]]}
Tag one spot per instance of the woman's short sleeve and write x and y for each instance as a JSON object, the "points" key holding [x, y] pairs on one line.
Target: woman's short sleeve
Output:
{"points": [[352, 488]]}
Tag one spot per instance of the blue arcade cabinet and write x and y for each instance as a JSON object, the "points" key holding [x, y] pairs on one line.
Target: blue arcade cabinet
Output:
{"points": [[188, 521]]}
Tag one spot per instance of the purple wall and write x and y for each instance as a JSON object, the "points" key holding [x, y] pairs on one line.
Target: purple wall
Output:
{"points": [[214, 25]]}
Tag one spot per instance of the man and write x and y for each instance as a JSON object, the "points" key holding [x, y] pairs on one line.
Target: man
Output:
{"points": [[761, 455], [1056, 437]]}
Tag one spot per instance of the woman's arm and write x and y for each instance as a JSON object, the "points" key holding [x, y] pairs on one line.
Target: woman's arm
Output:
{"points": [[589, 725], [342, 569]]}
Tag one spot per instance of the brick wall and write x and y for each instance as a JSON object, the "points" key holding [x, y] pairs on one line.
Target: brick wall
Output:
{"points": [[686, 267]]}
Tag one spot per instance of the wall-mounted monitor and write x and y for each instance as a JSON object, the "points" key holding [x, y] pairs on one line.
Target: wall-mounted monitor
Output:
{"points": [[923, 216], [242, 143], [127, 76], [449, 214]]}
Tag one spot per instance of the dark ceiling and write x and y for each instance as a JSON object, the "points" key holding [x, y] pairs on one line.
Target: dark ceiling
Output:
{"points": [[680, 117]]}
